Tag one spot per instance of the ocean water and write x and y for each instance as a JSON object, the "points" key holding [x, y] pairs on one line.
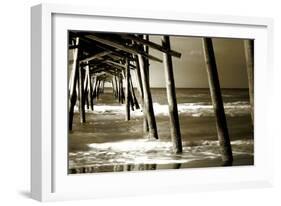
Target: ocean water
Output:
{"points": [[108, 143]]}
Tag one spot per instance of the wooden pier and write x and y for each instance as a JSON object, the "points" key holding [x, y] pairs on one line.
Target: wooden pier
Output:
{"points": [[114, 59]]}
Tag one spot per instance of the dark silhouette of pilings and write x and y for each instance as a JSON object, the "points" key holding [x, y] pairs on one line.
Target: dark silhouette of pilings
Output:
{"points": [[140, 89], [146, 64], [81, 95], [171, 96], [133, 95], [95, 88], [223, 136], [147, 100], [89, 85], [127, 97], [249, 53], [73, 83], [116, 86]]}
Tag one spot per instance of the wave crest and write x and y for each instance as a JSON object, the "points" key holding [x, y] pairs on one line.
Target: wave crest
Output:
{"points": [[238, 108]]}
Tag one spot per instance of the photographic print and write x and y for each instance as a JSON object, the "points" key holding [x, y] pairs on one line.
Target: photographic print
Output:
{"points": [[149, 102]]}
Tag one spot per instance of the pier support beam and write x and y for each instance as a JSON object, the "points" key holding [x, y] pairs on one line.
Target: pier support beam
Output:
{"points": [[146, 63], [119, 89], [122, 95], [116, 87], [140, 88], [133, 95], [86, 100], [223, 136], [98, 89], [73, 81], [147, 99], [249, 54], [127, 97], [113, 88], [95, 89], [102, 86], [81, 96], [171, 96], [93, 83], [145, 48], [90, 88]]}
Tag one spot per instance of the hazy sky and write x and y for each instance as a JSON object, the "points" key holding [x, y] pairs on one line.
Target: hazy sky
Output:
{"points": [[190, 70]]}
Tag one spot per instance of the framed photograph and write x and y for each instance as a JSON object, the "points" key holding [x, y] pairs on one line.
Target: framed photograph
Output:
{"points": [[138, 102]]}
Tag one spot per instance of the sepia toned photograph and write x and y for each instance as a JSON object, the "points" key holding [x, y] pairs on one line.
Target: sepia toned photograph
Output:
{"points": [[139, 102]]}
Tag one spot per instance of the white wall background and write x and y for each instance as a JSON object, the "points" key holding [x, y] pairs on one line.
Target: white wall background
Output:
{"points": [[15, 103]]}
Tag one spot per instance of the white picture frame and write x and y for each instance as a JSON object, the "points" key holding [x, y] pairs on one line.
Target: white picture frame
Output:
{"points": [[49, 179]]}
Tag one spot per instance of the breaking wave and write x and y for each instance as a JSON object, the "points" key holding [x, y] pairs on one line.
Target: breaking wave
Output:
{"points": [[238, 108]]}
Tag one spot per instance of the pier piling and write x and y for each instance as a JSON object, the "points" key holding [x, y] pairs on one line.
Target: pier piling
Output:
{"points": [[127, 97], [171, 96], [147, 99], [249, 54], [73, 82], [90, 92], [81, 95], [215, 90]]}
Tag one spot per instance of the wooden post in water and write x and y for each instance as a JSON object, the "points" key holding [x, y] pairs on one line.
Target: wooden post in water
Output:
{"points": [[81, 96], [127, 97], [116, 86], [223, 136], [93, 83], [90, 99], [102, 89], [171, 96], [98, 89], [122, 89], [85, 88], [140, 89], [146, 63], [119, 88], [134, 98], [147, 99], [249, 53], [95, 88], [73, 80], [146, 50], [138, 76]]}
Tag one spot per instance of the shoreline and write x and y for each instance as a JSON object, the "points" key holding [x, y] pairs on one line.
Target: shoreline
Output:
{"points": [[239, 161]]}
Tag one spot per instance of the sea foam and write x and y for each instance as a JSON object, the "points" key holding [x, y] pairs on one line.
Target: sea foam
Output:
{"points": [[238, 108]]}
